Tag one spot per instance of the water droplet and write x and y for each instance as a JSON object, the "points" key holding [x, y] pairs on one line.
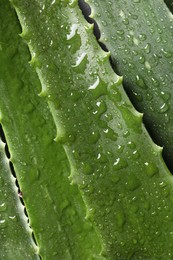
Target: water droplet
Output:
{"points": [[66, 138], [147, 48], [101, 158], [119, 164], [166, 53], [151, 169], [149, 23], [126, 133], [126, 21], [108, 117], [109, 133], [159, 30], [124, 61], [73, 31], [149, 96], [133, 16], [3, 223], [147, 65], [3, 207], [131, 145], [130, 40], [120, 149], [136, 41], [167, 118], [104, 23], [133, 183], [120, 32], [122, 243], [89, 190], [131, 66], [115, 95], [155, 82], [13, 218], [94, 137], [163, 108], [79, 59], [142, 37], [158, 39], [142, 59], [121, 38], [135, 154], [87, 168], [140, 82], [115, 178], [101, 107], [99, 88], [52, 3]]}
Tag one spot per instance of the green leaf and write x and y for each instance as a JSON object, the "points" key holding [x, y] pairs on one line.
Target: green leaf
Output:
{"points": [[55, 207], [124, 182], [15, 234], [138, 35]]}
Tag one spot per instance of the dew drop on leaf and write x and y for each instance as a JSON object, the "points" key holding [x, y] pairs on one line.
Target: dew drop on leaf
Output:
{"points": [[133, 183], [151, 169], [115, 178], [147, 48], [142, 37], [120, 163], [87, 169], [126, 21], [13, 218], [3, 223], [94, 137], [166, 53], [3, 207], [155, 82], [164, 108], [140, 82]]}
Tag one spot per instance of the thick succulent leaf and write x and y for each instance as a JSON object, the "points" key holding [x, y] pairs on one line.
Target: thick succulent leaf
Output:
{"points": [[138, 35], [55, 207], [15, 234], [124, 182]]}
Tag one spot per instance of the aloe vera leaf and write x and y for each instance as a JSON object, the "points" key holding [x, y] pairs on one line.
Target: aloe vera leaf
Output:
{"points": [[15, 234], [125, 184], [136, 34], [55, 207]]}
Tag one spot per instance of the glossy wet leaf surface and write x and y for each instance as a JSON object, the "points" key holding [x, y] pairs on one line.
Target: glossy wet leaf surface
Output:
{"points": [[123, 180], [55, 207], [138, 35]]}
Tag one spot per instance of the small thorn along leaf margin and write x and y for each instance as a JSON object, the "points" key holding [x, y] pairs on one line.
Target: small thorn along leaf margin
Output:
{"points": [[55, 208], [126, 190], [14, 229], [136, 34]]}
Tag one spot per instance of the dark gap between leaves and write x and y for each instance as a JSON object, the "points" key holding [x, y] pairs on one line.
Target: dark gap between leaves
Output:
{"points": [[2, 136], [86, 10]]}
